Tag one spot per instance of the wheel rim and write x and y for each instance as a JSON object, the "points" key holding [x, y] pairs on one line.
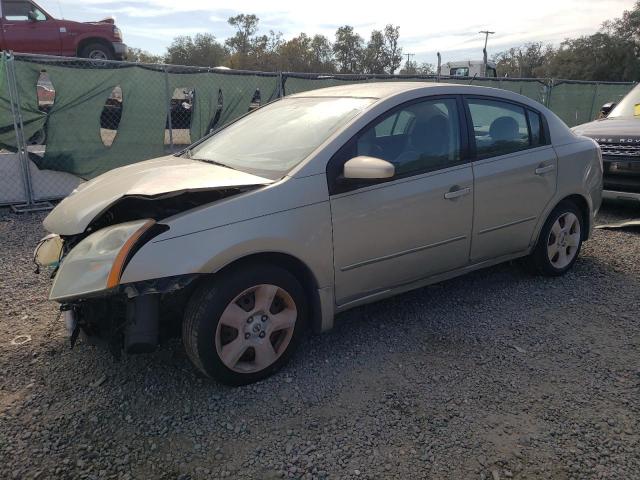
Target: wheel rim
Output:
{"points": [[97, 55], [564, 240], [256, 328]]}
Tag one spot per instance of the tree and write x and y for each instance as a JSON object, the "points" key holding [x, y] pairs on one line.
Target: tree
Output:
{"points": [[393, 52], [142, 56], [627, 27], [242, 42], [412, 68], [601, 56], [348, 50], [202, 50], [321, 55], [375, 58], [526, 61]]}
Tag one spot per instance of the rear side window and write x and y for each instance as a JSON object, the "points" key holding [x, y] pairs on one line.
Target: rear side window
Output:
{"points": [[499, 127]]}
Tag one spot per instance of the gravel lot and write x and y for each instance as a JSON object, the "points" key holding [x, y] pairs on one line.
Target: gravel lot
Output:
{"points": [[490, 376]]}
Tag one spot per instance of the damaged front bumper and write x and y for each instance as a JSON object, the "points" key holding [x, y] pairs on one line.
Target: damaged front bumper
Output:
{"points": [[132, 318]]}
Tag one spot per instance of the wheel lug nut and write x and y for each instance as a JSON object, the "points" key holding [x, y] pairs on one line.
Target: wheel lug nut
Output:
{"points": [[247, 335], [250, 319], [262, 334], [264, 318]]}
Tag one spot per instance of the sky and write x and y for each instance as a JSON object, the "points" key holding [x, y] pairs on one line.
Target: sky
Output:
{"points": [[426, 27]]}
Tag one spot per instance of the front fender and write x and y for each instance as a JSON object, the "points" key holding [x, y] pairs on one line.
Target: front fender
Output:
{"points": [[303, 232]]}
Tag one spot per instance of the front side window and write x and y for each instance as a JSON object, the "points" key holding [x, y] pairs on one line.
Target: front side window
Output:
{"points": [[419, 137], [19, 12], [499, 127], [273, 139]]}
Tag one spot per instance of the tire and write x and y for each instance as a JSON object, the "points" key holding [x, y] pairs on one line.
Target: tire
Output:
{"points": [[234, 350], [557, 248], [97, 51]]}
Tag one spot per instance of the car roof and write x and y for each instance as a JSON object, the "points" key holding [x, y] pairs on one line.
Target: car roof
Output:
{"points": [[377, 90]]}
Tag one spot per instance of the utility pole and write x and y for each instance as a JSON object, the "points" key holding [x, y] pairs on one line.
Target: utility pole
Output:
{"points": [[408, 64], [484, 51]]}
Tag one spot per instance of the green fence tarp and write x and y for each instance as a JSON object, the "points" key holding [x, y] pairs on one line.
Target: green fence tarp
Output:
{"points": [[73, 123], [32, 118], [580, 102]]}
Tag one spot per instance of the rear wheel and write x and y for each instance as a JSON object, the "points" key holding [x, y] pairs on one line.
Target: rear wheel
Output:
{"points": [[559, 242], [244, 325]]}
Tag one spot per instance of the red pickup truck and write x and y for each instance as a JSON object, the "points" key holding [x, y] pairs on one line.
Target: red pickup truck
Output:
{"points": [[28, 28]]}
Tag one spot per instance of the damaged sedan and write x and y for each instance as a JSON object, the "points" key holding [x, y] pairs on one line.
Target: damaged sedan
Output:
{"points": [[311, 205]]}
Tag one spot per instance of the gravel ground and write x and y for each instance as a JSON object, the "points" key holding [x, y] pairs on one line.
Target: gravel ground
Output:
{"points": [[490, 376]]}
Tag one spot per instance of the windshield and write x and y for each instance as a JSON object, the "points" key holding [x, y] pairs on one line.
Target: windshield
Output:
{"points": [[629, 106], [272, 140]]}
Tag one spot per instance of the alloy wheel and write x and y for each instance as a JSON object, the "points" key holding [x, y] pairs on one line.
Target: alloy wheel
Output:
{"points": [[564, 240], [255, 328]]}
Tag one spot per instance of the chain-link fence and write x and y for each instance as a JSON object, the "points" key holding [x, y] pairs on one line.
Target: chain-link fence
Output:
{"points": [[65, 120]]}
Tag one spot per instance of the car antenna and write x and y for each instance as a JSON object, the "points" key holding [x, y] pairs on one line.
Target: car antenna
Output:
{"points": [[60, 8], [474, 77]]}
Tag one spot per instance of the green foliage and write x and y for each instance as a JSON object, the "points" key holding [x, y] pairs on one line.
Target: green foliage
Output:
{"points": [[348, 50], [202, 50], [412, 68], [612, 54], [142, 56]]}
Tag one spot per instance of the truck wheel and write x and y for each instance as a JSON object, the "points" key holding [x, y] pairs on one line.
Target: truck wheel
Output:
{"points": [[97, 51], [244, 325], [559, 241]]}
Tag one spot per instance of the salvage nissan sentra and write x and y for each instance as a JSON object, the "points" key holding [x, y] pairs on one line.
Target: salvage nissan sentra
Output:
{"points": [[314, 204]]}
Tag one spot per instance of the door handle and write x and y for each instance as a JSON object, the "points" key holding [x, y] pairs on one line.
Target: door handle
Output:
{"points": [[545, 169], [456, 192]]}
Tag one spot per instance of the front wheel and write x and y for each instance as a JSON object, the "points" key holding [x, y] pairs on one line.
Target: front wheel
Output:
{"points": [[244, 325], [97, 51], [559, 242]]}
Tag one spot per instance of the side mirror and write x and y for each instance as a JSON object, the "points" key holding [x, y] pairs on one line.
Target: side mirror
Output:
{"points": [[368, 168], [605, 110]]}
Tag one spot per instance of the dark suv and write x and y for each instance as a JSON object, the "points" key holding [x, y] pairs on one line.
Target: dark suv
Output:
{"points": [[618, 134]]}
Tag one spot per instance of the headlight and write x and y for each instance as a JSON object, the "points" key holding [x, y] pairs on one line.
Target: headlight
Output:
{"points": [[97, 262], [48, 251]]}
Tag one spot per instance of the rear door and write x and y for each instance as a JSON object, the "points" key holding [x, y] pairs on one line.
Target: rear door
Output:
{"points": [[417, 224], [515, 170], [28, 29]]}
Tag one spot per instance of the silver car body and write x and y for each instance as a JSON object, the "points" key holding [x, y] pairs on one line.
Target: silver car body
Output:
{"points": [[368, 243]]}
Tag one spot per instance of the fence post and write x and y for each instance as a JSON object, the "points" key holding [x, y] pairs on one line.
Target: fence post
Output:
{"points": [[30, 204], [593, 102], [169, 96], [549, 88]]}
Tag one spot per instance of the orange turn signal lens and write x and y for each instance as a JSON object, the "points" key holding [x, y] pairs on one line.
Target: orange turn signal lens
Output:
{"points": [[119, 263]]}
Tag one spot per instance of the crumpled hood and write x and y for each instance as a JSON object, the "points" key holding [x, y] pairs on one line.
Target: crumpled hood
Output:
{"points": [[610, 127], [164, 176]]}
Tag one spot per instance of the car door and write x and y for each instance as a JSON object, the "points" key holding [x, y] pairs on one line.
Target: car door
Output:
{"points": [[416, 224], [26, 28], [515, 170]]}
